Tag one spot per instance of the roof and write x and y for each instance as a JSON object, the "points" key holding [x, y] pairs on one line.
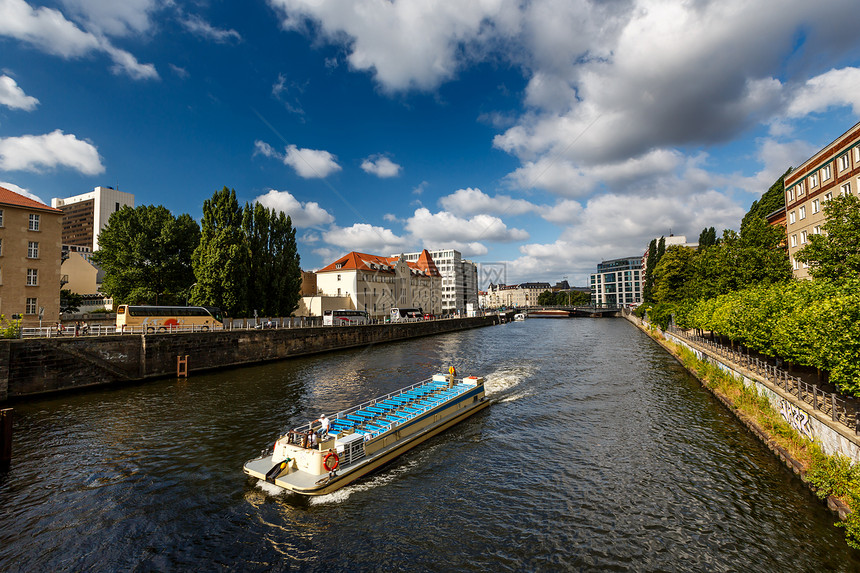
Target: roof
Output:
{"points": [[375, 263], [13, 199]]}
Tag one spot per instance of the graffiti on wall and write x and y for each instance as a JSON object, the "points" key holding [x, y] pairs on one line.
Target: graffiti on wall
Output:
{"points": [[796, 418]]}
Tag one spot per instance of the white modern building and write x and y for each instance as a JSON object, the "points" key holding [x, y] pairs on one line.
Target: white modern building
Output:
{"points": [[617, 282], [459, 279], [85, 215]]}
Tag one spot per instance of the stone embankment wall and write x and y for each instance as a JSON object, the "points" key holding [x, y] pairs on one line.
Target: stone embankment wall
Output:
{"points": [[35, 366], [835, 438]]}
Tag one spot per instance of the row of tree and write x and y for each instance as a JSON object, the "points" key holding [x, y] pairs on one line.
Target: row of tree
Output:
{"points": [[239, 259], [562, 298]]}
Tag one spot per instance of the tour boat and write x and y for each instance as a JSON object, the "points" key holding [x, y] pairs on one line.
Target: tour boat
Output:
{"points": [[364, 437], [519, 316]]}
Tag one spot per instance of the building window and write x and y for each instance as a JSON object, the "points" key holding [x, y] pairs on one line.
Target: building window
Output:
{"points": [[34, 222], [844, 162], [803, 237], [827, 197], [1, 217], [1, 247], [32, 250], [813, 180], [857, 155], [846, 189], [32, 277], [791, 194], [816, 206], [31, 306], [338, 277], [794, 240], [802, 213], [825, 173], [816, 230], [791, 218], [117, 207], [794, 264]]}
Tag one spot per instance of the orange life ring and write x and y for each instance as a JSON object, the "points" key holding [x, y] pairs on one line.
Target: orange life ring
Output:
{"points": [[329, 456]]}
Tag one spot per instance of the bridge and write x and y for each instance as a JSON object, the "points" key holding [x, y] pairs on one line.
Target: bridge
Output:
{"points": [[570, 311]]}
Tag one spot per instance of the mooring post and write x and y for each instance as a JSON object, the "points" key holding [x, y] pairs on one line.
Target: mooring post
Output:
{"points": [[5, 438]]}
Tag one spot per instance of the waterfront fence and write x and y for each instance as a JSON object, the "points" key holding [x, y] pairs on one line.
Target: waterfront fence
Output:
{"points": [[840, 408]]}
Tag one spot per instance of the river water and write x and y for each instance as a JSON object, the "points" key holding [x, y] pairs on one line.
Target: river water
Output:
{"points": [[601, 453]]}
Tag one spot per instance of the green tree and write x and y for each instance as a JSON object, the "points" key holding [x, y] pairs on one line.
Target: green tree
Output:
{"points": [[145, 253], [673, 274], [707, 238], [650, 265], [70, 301], [770, 201], [221, 260], [835, 254], [274, 265]]}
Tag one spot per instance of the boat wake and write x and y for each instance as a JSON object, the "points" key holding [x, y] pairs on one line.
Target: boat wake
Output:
{"points": [[385, 477], [505, 385]]}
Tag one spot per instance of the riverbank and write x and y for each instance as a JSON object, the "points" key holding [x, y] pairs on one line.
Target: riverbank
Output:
{"points": [[31, 367], [818, 471]]}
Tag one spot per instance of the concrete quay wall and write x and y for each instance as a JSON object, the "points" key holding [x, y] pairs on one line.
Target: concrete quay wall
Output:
{"points": [[36, 366]]}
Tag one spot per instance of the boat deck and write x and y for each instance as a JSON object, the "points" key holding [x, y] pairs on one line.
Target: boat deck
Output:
{"points": [[380, 415]]}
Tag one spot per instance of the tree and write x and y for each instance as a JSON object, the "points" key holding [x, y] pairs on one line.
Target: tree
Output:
{"points": [[145, 253], [835, 254], [70, 301], [770, 201], [707, 238], [650, 264], [274, 271], [221, 260], [674, 274]]}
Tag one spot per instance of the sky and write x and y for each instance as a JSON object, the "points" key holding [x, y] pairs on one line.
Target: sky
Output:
{"points": [[538, 137]]}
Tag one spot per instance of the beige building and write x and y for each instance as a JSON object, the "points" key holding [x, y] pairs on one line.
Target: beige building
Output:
{"points": [[377, 284], [459, 279], [515, 296], [833, 170], [30, 249]]}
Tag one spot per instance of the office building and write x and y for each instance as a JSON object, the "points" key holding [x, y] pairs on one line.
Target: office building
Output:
{"points": [[617, 282], [86, 214], [459, 279]]}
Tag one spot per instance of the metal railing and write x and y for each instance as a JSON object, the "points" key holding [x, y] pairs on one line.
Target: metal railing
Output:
{"points": [[840, 408]]}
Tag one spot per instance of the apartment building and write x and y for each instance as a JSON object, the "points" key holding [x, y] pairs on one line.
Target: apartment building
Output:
{"points": [[85, 215], [617, 282], [835, 170], [515, 296], [459, 279], [377, 284], [30, 248]]}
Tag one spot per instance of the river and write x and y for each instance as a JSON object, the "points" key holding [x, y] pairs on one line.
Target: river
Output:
{"points": [[600, 453]]}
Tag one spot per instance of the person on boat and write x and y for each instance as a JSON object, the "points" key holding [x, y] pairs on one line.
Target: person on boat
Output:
{"points": [[451, 373], [324, 426], [312, 439]]}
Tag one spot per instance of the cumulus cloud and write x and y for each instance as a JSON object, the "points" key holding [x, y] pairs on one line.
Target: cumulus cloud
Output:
{"points": [[55, 149], [380, 166], [404, 44], [442, 228], [114, 18], [48, 30], [200, 27], [832, 88], [311, 163], [471, 201], [366, 238], [21, 191], [14, 97], [308, 214]]}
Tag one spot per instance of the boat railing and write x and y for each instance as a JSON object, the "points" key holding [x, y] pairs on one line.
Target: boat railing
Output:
{"points": [[385, 428]]}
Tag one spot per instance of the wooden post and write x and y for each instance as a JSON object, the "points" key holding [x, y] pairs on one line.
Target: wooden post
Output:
{"points": [[182, 366], [833, 414], [5, 438]]}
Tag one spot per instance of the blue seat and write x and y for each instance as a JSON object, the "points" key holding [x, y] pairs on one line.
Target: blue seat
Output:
{"points": [[365, 413]]}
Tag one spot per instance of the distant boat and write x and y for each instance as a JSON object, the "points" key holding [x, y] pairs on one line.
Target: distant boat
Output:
{"points": [[519, 316], [364, 437]]}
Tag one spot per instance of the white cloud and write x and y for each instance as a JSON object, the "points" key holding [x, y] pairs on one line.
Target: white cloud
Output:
{"points": [[380, 166], [311, 163], [366, 238], [48, 30], [404, 44], [830, 89], [266, 150], [14, 97], [436, 230], [308, 214], [471, 201], [37, 152], [21, 191], [114, 18], [200, 27]]}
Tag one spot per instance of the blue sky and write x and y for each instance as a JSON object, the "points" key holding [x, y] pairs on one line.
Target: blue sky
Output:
{"points": [[547, 135]]}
